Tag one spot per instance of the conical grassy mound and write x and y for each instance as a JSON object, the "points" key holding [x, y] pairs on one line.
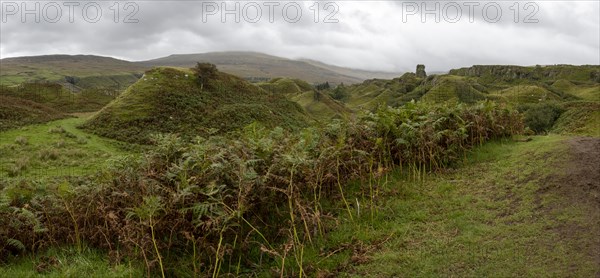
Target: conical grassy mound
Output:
{"points": [[320, 106], [453, 88], [564, 85], [286, 86], [170, 100]]}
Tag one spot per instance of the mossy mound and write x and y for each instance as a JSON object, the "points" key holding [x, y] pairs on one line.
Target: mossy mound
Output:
{"points": [[320, 106], [564, 85], [285, 86], [374, 92], [582, 91], [527, 94], [16, 112], [171, 100], [452, 89]]}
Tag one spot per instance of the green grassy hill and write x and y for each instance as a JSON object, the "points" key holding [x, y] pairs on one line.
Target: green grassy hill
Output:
{"points": [[526, 94], [579, 118], [452, 88], [171, 100], [321, 106], [584, 91], [374, 92], [318, 105], [285, 86]]}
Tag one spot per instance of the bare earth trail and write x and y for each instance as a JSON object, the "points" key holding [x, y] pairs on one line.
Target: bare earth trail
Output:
{"points": [[582, 179], [580, 184], [514, 209]]}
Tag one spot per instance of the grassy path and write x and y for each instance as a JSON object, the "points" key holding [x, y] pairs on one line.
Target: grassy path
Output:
{"points": [[53, 149], [504, 213]]}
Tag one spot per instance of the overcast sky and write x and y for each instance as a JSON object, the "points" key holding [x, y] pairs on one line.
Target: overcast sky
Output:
{"points": [[374, 35]]}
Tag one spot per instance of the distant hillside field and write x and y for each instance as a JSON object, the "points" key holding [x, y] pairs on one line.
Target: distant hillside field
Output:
{"points": [[57, 96], [16, 112], [82, 71]]}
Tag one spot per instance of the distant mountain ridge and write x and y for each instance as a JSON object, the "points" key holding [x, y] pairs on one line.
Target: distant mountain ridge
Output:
{"points": [[95, 71], [259, 65]]}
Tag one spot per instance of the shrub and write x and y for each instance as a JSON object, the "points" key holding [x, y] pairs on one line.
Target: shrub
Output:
{"points": [[540, 117], [69, 135], [49, 154], [60, 144], [21, 140], [205, 72], [340, 93], [58, 129], [18, 167], [81, 141]]}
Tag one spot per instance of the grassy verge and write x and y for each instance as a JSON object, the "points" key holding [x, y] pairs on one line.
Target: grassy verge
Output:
{"points": [[67, 262], [488, 217]]}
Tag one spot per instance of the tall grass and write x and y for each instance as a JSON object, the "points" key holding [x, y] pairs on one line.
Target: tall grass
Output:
{"points": [[255, 198]]}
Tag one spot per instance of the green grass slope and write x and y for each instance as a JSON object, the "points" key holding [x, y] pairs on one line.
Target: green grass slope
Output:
{"points": [[170, 100], [285, 86], [526, 94], [321, 106], [16, 112], [55, 149], [87, 71], [579, 118], [318, 105], [374, 92], [56, 96], [448, 88], [583, 91]]}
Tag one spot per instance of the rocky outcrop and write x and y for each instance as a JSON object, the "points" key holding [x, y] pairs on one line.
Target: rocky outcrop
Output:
{"points": [[421, 71], [584, 73]]}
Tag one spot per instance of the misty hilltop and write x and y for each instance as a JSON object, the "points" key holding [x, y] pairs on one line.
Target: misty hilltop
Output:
{"points": [[94, 71]]}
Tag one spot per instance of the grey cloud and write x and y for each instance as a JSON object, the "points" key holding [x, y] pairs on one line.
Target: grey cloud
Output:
{"points": [[369, 35]]}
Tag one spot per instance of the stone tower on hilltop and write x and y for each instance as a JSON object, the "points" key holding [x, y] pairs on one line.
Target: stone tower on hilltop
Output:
{"points": [[421, 71]]}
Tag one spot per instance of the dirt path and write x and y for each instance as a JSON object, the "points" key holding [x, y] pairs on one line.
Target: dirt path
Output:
{"points": [[582, 179], [579, 186]]}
